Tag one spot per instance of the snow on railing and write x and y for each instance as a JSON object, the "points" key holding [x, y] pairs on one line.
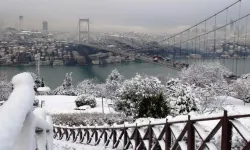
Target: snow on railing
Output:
{"points": [[189, 132], [21, 128]]}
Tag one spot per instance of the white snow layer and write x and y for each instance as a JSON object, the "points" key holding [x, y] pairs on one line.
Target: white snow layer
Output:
{"points": [[66, 104], [14, 111], [63, 145], [43, 89], [44, 138]]}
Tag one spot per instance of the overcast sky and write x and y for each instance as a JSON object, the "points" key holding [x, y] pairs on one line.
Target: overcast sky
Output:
{"points": [[112, 15]]}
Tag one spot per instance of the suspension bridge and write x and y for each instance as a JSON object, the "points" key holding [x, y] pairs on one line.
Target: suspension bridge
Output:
{"points": [[208, 41], [215, 37]]}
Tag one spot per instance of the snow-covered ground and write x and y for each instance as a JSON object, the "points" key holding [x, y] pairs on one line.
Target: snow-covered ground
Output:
{"points": [[66, 104], [63, 145]]}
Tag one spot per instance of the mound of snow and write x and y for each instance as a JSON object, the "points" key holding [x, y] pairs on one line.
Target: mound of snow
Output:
{"points": [[43, 89], [14, 111], [85, 107]]}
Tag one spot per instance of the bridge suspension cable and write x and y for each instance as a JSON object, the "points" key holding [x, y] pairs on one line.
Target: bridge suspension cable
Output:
{"points": [[202, 21], [213, 47]]}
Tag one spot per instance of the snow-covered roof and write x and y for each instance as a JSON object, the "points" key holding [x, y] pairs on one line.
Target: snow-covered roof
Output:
{"points": [[43, 89]]}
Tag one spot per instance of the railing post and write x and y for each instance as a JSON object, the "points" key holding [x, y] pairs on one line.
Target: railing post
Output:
{"points": [[114, 137], [80, 134], [66, 133], [226, 134], [105, 136], [96, 135], [191, 135], [136, 137], [167, 136], [73, 134], [150, 136], [125, 138], [87, 134]]}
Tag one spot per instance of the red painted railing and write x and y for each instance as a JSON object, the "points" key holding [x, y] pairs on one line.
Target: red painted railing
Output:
{"points": [[168, 135]]}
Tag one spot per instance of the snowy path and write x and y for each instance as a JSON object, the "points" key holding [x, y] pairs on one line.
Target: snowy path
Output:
{"points": [[63, 145]]}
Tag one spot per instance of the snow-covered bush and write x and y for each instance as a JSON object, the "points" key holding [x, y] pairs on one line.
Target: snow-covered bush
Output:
{"points": [[207, 99], [87, 86], [241, 88], [85, 100], [66, 88], [142, 92], [203, 73], [113, 83], [5, 87], [84, 119], [181, 97]]}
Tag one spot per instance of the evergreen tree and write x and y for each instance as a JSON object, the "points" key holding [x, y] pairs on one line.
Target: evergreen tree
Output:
{"points": [[5, 87], [180, 97], [67, 87], [113, 83], [154, 106], [142, 97]]}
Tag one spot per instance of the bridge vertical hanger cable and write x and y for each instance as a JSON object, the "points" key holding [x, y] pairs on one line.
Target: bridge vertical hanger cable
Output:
{"points": [[195, 50], [245, 46], [200, 46], [180, 48], [215, 24], [233, 49], [205, 46], [187, 55], [225, 38], [168, 47], [192, 49], [238, 38], [174, 51]]}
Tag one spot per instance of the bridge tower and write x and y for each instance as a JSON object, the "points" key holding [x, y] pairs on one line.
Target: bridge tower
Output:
{"points": [[83, 32]]}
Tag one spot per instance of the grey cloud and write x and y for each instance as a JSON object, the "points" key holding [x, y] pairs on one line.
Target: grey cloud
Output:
{"points": [[143, 15]]}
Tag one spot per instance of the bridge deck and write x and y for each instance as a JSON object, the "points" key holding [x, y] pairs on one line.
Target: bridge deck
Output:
{"points": [[169, 64]]}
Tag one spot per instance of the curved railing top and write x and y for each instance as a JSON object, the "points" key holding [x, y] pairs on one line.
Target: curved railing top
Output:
{"points": [[169, 120]]}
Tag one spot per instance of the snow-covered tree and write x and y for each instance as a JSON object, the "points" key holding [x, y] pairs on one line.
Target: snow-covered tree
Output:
{"points": [[203, 73], [101, 91], [181, 97], [138, 96], [113, 83], [207, 98], [67, 83], [67, 87], [5, 87], [241, 88], [87, 86]]}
